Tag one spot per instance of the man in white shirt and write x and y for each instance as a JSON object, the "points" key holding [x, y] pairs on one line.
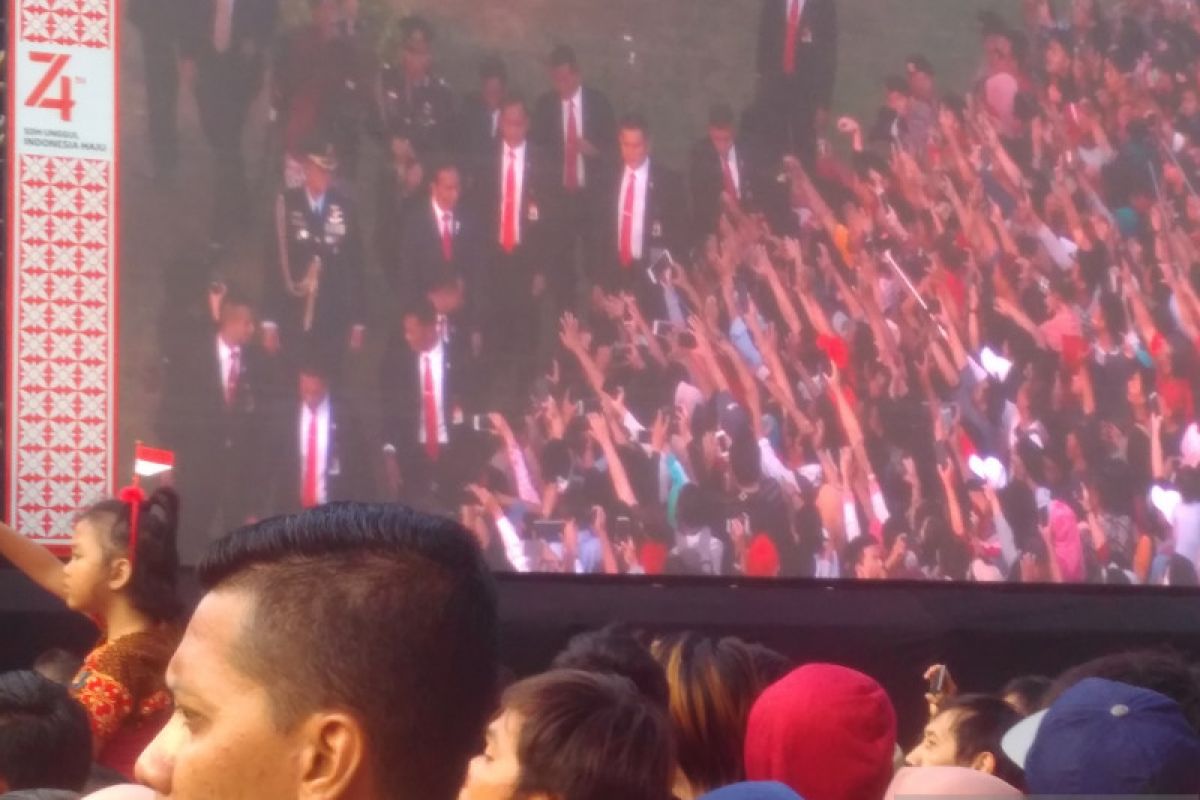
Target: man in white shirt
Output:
{"points": [[645, 211], [514, 188], [575, 126], [719, 173], [422, 409], [325, 442]]}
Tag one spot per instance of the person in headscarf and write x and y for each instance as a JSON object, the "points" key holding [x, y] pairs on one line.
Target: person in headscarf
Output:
{"points": [[1065, 543], [826, 731], [947, 782]]}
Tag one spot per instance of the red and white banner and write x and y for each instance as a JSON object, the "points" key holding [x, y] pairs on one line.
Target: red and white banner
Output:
{"points": [[62, 261]]}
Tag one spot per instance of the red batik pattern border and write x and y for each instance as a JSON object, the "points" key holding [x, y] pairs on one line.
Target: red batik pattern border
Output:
{"points": [[61, 340], [67, 23]]}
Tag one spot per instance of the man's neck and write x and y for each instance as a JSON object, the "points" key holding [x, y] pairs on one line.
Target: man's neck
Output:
{"points": [[645, 163], [514, 146]]}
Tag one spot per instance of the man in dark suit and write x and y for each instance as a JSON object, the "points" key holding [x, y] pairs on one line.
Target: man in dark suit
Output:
{"points": [[513, 195], [320, 450], [422, 384], [643, 213], [479, 118], [316, 269], [441, 238], [159, 26], [720, 173], [212, 416], [223, 45], [576, 127], [797, 65]]}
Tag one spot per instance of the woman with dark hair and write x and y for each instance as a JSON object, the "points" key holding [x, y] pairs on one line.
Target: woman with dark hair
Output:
{"points": [[713, 684], [574, 735], [122, 574]]}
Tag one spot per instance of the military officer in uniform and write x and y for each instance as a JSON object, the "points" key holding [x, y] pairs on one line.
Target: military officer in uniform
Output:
{"points": [[411, 98], [317, 267]]}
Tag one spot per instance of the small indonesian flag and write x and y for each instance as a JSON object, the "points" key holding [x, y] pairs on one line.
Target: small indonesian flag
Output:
{"points": [[149, 462]]}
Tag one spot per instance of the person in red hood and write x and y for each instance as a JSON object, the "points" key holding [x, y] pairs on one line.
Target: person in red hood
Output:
{"points": [[828, 732]]}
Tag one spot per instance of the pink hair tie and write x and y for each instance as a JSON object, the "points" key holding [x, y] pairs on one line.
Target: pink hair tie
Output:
{"points": [[134, 496]]}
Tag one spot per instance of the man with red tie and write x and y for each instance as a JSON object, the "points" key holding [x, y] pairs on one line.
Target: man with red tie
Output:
{"points": [[797, 65], [421, 384], [644, 212], [720, 172], [324, 455], [440, 239], [212, 415], [574, 124], [513, 193]]}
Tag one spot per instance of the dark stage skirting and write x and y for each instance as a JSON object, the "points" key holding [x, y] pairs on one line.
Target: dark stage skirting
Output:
{"points": [[987, 633]]}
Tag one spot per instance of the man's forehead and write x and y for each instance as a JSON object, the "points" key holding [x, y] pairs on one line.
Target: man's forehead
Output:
{"points": [[208, 642]]}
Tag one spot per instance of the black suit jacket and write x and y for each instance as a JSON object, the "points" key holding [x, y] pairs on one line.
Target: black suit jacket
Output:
{"points": [[421, 259], [707, 183], [401, 390], [664, 227], [334, 236], [599, 128], [474, 129], [253, 24], [536, 197], [349, 473], [816, 45], [208, 435]]}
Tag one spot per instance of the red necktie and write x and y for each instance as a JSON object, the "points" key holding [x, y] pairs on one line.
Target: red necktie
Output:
{"points": [[447, 236], [730, 184], [308, 496], [431, 414], [789, 42], [626, 252], [235, 371], [508, 224], [571, 151]]}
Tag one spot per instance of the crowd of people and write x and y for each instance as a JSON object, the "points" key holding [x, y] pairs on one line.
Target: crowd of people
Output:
{"points": [[956, 343], [386, 683]]}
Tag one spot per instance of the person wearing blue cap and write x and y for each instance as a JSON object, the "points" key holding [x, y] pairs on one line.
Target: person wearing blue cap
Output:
{"points": [[754, 790], [1105, 737]]}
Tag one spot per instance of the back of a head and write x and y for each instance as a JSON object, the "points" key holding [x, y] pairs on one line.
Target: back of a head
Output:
{"points": [[58, 665], [45, 739], [379, 610], [979, 726], [153, 588], [713, 685], [1026, 693], [826, 731], [590, 736], [615, 649], [1161, 671]]}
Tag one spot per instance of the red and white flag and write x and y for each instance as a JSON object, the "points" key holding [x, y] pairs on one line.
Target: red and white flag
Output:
{"points": [[149, 461]]}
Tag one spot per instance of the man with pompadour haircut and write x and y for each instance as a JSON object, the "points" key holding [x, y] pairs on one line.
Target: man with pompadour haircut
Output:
{"points": [[345, 652]]}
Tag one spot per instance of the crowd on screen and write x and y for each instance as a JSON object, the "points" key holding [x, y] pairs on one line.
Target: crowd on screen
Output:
{"points": [[957, 341], [385, 683]]}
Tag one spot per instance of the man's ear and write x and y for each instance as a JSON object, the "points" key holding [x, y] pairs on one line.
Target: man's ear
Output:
{"points": [[984, 762], [334, 759]]}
